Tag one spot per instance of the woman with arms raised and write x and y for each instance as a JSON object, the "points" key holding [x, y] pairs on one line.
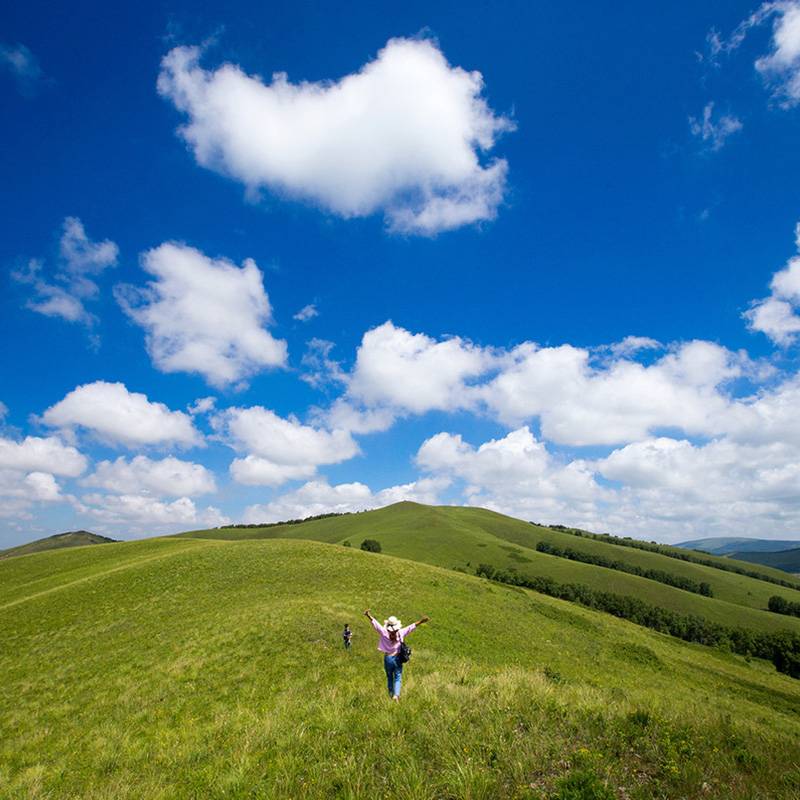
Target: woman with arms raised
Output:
{"points": [[392, 634]]}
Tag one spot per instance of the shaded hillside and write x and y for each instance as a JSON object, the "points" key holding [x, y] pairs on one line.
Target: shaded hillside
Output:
{"points": [[787, 560], [726, 545], [462, 538], [59, 540], [187, 668]]}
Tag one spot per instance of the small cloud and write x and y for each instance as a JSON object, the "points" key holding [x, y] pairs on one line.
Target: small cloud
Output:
{"points": [[23, 66], [202, 406], [70, 287], [320, 368], [631, 345], [306, 313], [714, 133]]}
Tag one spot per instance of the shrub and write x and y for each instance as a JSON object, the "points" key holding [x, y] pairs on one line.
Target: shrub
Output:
{"points": [[780, 605], [371, 545], [582, 785], [346, 543]]}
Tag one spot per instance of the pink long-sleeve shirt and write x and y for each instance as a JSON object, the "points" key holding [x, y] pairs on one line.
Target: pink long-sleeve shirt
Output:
{"points": [[385, 644]]}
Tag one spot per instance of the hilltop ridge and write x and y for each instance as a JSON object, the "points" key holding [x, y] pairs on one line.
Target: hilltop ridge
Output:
{"points": [[57, 541]]}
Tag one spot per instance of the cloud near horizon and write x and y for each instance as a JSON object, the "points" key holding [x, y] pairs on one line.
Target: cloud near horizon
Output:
{"points": [[402, 137]]}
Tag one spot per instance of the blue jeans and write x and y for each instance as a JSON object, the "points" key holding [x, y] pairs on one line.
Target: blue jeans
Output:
{"points": [[394, 674]]}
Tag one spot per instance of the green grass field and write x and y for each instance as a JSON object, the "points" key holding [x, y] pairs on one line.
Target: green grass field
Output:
{"points": [[200, 668], [458, 537]]}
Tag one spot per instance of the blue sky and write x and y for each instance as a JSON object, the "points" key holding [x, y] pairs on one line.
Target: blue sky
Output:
{"points": [[536, 258]]}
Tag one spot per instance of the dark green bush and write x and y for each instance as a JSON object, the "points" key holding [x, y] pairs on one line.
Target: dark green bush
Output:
{"points": [[582, 785], [371, 545]]}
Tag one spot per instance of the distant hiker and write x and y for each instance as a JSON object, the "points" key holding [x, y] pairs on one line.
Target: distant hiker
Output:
{"points": [[396, 653], [347, 635]]}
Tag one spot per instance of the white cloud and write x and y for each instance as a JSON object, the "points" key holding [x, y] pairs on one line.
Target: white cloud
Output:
{"points": [[777, 315], [83, 256], [142, 514], [714, 133], [631, 345], [203, 405], [676, 489], [118, 416], [306, 313], [37, 454], [279, 449], [769, 416], [579, 403], [79, 257], [166, 477], [318, 365], [343, 415], [319, 497], [413, 372], [401, 137], [781, 67], [516, 474], [27, 488], [580, 396], [203, 315]]}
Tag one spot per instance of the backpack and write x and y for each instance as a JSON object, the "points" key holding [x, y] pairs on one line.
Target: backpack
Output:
{"points": [[403, 654]]}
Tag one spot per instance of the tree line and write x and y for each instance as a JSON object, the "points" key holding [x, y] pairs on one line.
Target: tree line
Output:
{"points": [[285, 521], [678, 581], [780, 605], [782, 648], [688, 555]]}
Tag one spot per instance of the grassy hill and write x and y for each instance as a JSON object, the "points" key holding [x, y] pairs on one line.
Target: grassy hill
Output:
{"points": [[199, 667], [731, 545], [59, 540], [787, 560], [462, 538]]}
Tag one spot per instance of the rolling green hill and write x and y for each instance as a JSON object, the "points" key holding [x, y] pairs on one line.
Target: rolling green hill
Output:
{"points": [[212, 668], [787, 560], [462, 538], [59, 540]]}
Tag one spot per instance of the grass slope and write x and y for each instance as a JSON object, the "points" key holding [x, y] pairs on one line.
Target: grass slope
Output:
{"points": [[459, 537], [726, 545], [787, 560], [59, 540], [187, 668]]}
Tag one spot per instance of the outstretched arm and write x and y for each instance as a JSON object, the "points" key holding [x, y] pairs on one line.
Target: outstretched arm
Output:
{"points": [[369, 616], [422, 621]]}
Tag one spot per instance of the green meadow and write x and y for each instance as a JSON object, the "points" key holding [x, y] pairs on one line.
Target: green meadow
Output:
{"points": [[194, 667], [462, 538]]}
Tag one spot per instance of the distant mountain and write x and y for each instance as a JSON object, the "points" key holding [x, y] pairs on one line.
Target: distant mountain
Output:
{"points": [[728, 545], [787, 560], [56, 542]]}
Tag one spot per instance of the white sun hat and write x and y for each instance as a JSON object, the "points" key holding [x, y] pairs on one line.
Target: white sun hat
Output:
{"points": [[392, 624]]}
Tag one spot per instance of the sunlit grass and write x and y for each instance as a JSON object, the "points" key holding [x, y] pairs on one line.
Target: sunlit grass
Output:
{"points": [[215, 670]]}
